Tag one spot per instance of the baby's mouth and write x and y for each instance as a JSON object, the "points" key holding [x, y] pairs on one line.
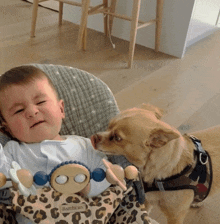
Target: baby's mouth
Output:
{"points": [[39, 122]]}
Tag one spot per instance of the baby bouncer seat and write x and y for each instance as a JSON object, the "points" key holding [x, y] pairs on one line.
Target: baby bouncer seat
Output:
{"points": [[89, 105]]}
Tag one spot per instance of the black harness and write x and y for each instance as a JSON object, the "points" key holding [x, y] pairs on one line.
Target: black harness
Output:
{"points": [[197, 176]]}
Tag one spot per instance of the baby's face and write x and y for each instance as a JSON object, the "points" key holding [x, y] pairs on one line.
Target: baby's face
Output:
{"points": [[32, 112]]}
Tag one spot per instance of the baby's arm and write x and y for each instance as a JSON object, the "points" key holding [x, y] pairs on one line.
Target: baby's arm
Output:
{"points": [[5, 165], [5, 160]]}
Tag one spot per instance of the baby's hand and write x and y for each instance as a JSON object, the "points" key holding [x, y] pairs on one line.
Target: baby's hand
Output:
{"points": [[115, 174], [2, 179], [22, 179]]}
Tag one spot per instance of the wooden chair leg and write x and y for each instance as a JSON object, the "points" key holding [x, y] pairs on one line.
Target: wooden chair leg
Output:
{"points": [[133, 32], [159, 14], [34, 17], [85, 38], [83, 24], [105, 3], [112, 10], [60, 13]]}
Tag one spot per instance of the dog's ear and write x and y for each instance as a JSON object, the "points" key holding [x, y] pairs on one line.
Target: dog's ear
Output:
{"points": [[160, 137], [157, 111]]}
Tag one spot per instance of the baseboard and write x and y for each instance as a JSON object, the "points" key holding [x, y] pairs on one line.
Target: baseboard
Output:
{"points": [[48, 4]]}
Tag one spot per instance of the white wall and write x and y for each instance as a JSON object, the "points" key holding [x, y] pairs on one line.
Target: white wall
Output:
{"points": [[49, 4], [176, 20], [177, 15], [204, 20]]}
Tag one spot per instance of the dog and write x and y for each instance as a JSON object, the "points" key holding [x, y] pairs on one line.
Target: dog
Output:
{"points": [[163, 155]]}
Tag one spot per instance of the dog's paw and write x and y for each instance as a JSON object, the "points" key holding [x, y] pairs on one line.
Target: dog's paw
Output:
{"points": [[148, 206], [196, 205]]}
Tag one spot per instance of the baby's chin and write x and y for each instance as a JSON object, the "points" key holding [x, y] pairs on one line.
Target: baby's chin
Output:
{"points": [[38, 139]]}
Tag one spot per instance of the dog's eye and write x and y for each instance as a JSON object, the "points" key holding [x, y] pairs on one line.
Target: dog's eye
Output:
{"points": [[111, 138], [117, 138]]}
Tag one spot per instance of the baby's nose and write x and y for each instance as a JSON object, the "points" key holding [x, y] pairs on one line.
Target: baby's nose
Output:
{"points": [[31, 111]]}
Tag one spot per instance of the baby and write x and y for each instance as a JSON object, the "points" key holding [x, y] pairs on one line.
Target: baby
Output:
{"points": [[31, 112]]}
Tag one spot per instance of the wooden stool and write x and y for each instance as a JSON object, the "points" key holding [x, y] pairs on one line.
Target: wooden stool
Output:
{"points": [[109, 11], [86, 10], [138, 24]]}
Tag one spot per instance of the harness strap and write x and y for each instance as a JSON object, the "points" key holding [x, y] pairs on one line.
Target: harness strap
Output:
{"points": [[203, 156], [197, 177], [200, 171], [168, 183]]}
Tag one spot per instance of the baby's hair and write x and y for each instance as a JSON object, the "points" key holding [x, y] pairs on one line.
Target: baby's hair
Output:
{"points": [[20, 76], [23, 75]]}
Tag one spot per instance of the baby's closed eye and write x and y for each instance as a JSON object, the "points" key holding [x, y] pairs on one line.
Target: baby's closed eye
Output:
{"points": [[41, 102], [19, 111]]}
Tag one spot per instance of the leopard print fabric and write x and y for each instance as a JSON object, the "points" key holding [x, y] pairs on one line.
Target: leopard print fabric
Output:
{"points": [[113, 206], [7, 216], [130, 211]]}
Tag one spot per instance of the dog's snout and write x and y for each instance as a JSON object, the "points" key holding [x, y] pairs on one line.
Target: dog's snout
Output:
{"points": [[95, 139]]}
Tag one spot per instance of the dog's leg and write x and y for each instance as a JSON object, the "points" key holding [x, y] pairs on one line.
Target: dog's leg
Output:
{"points": [[173, 219], [174, 216], [175, 205], [148, 206]]}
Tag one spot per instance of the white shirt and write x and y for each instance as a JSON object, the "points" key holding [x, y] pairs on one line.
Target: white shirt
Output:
{"points": [[46, 155]]}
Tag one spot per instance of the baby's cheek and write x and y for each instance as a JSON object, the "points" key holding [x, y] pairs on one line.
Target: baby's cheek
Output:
{"points": [[18, 130]]}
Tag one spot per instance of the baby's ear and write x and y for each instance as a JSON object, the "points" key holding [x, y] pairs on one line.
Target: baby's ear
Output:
{"points": [[157, 111], [160, 137], [5, 130], [4, 126], [61, 103]]}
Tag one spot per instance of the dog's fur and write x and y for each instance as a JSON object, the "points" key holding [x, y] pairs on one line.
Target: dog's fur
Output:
{"points": [[159, 151]]}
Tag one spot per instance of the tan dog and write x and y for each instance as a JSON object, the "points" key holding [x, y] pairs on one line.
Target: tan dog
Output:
{"points": [[159, 151]]}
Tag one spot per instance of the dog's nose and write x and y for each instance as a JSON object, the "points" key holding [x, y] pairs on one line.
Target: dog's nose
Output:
{"points": [[95, 139]]}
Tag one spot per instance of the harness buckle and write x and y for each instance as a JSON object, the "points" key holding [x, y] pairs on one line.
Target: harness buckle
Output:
{"points": [[160, 185], [203, 157]]}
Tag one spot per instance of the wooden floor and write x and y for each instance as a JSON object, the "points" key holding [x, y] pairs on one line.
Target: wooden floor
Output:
{"points": [[187, 89], [57, 45]]}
